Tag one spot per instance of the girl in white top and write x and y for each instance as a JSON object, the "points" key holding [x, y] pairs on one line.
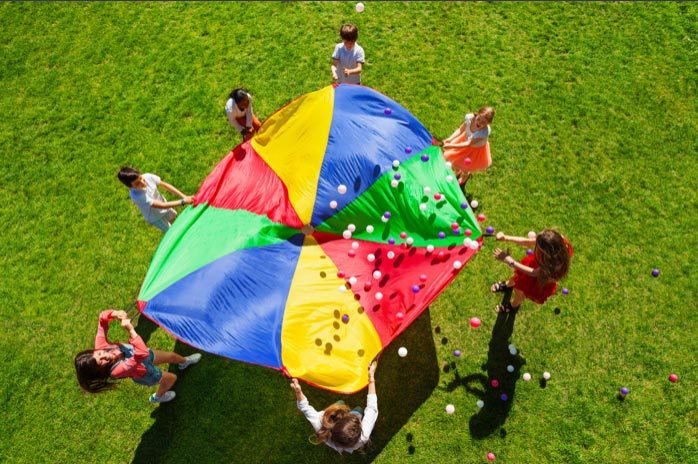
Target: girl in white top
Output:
{"points": [[337, 426], [238, 108], [468, 148]]}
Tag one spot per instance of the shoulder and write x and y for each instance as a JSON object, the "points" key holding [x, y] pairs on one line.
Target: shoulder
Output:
{"points": [[229, 105], [152, 178], [337, 49], [359, 48]]}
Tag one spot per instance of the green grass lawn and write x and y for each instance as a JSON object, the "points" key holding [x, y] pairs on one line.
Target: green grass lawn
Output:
{"points": [[595, 133]]}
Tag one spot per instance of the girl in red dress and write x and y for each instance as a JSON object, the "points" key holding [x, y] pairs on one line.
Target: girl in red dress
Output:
{"points": [[536, 276]]}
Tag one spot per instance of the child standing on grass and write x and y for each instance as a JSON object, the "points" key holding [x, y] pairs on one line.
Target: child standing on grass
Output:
{"points": [[95, 368], [144, 193], [238, 108], [536, 276], [337, 426], [348, 57], [468, 148]]}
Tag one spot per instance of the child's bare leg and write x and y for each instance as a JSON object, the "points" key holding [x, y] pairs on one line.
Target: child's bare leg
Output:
{"points": [[162, 357], [168, 379], [517, 298]]}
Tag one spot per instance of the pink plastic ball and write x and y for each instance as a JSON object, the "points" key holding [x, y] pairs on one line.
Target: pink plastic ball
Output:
{"points": [[423, 277], [494, 383], [467, 161], [454, 226], [491, 457], [367, 286], [352, 253], [475, 322], [440, 255], [399, 315], [481, 217], [468, 232], [673, 378], [437, 196], [403, 235]]}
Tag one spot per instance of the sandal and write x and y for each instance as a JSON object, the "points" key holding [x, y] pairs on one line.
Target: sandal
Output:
{"points": [[506, 308], [499, 287]]}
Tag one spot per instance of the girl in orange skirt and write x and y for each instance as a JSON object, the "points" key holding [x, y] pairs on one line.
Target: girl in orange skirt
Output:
{"points": [[467, 148]]}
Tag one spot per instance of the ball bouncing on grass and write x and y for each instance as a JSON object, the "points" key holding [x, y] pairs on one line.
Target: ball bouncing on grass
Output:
{"points": [[655, 272], [474, 204], [480, 404], [510, 368], [450, 409], [342, 189], [546, 375], [504, 397], [457, 353], [565, 291], [481, 217], [494, 383], [673, 378], [475, 322], [360, 9], [527, 376], [402, 351], [624, 391], [491, 457], [490, 230]]}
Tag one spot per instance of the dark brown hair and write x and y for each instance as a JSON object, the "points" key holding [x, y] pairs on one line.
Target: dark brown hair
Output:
{"points": [[349, 32], [340, 426], [127, 175], [92, 377], [553, 255]]}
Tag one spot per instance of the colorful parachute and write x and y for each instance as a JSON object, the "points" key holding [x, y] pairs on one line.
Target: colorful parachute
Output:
{"points": [[261, 270]]}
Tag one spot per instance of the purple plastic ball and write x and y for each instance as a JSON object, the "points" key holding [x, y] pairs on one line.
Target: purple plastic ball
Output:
{"points": [[425, 158], [386, 215], [565, 291], [490, 230], [408, 150], [464, 206], [624, 391], [345, 318], [397, 176], [388, 111], [504, 397], [655, 272], [415, 289], [456, 353], [456, 231], [391, 240], [529, 252], [442, 235]]}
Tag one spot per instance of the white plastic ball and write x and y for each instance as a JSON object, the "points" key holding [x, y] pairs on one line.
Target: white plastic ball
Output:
{"points": [[427, 190], [355, 245], [377, 274], [352, 280], [480, 404], [379, 296], [371, 257], [394, 183], [359, 7], [510, 368], [474, 245], [546, 375], [511, 346], [391, 254], [369, 229], [423, 207], [450, 409], [333, 204], [409, 240], [474, 204], [457, 264], [402, 351], [346, 234], [430, 248], [342, 288], [526, 376], [396, 163], [351, 227], [342, 189], [531, 235], [384, 219], [448, 164], [449, 178], [467, 242]]}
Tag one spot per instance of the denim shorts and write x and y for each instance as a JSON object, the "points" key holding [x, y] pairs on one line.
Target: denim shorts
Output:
{"points": [[154, 374]]}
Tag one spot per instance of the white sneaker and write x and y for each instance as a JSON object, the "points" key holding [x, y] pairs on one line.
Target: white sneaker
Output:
{"points": [[167, 396], [191, 359]]}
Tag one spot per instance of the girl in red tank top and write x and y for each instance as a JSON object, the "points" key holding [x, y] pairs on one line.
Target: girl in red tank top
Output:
{"points": [[536, 276]]}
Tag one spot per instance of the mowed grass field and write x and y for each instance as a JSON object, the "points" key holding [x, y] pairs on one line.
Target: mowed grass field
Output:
{"points": [[595, 133]]}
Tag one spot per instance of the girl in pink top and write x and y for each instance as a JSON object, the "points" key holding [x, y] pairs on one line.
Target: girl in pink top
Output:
{"points": [[95, 368], [468, 148]]}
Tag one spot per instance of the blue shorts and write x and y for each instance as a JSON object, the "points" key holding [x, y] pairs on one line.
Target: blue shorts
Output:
{"points": [[154, 374]]}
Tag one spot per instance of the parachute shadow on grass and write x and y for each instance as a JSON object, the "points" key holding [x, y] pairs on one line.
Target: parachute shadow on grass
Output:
{"points": [[228, 411]]}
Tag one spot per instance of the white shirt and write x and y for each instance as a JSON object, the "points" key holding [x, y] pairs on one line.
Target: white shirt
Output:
{"points": [[348, 59], [367, 423], [232, 110], [481, 134], [143, 198]]}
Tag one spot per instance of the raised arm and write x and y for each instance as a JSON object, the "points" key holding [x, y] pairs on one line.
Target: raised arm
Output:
{"points": [[522, 241], [371, 411], [310, 413]]}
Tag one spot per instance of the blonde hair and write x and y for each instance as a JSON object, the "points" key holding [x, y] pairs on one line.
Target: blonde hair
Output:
{"points": [[487, 112], [553, 255], [340, 426]]}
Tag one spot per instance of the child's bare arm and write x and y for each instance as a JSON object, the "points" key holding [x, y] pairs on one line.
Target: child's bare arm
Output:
{"points": [[171, 204], [522, 241], [455, 134], [171, 188], [295, 386], [335, 63], [503, 256], [357, 70]]}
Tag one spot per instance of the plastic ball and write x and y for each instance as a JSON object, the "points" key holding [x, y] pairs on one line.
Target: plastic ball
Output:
{"points": [[351, 227], [425, 158], [490, 230], [333, 204], [345, 318], [510, 368], [464, 205], [369, 229], [402, 351], [371, 257], [531, 235], [367, 286], [360, 9], [430, 248], [655, 272], [351, 253], [340, 274], [342, 288], [442, 235], [352, 280], [504, 397], [409, 240], [355, 245], [467, 242], [546, 375], [386, 215], [456, 231], [450, 409], [527, 376], [391, 241], [342, 189], [449, 178], [513, 350], [474, 245], [474, 204], [481, 217], [480, 404], [346, 234], [457, 264], [423, 207], [457, 353], [415, 289], [403, 235], [475, 322], [673, 378], [396, 163], [394, 183], [624, 391], [399, 315], [427, 190], [468, 232], [384, 219], [454, 225], [529, 252], [494, 383], [467, 161], [491, 457], [397, 176], [391, 254], [377, 274], [437, 196], [441, 255], [379, 296], [408, 150], [565, 291]]}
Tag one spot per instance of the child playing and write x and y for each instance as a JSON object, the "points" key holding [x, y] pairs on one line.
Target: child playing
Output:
{"points": [[468, 148], [348, 57], [339, 427], [536, 276], [144, 193], [107, 361], [238, 108]]}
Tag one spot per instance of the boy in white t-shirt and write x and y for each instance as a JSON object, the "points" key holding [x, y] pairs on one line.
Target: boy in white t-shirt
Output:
{"points": [[144, 193], [348, 57]]}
